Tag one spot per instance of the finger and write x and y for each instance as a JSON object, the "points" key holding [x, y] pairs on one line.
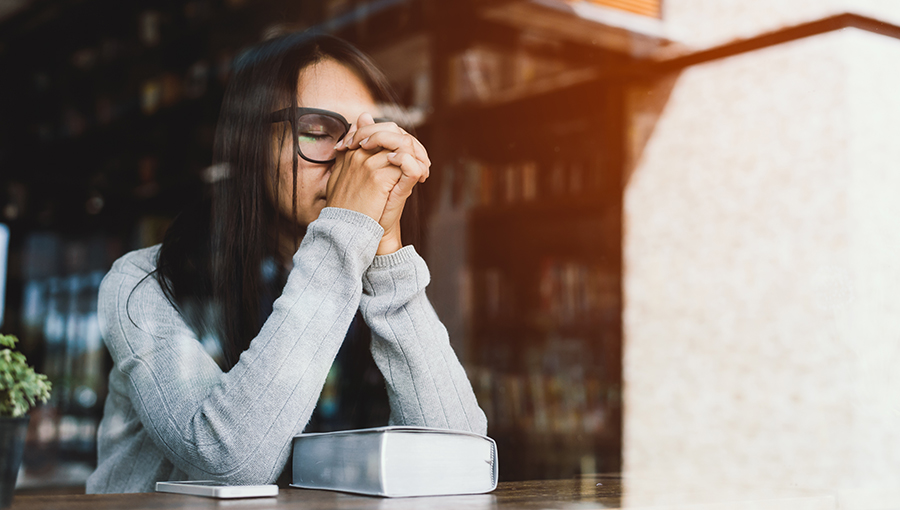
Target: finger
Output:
{"points": [[365, 119], [420, 152], [343, 143], [422, 155], [368, 129], [412, 172], [392, 141], [396, 142]]}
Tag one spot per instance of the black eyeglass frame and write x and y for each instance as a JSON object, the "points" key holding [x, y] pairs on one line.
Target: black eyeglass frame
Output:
{"points": [[291, 114], [284, 115]]}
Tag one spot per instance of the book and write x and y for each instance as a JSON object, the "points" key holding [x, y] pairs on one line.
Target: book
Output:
{"points": [[396, 462]]}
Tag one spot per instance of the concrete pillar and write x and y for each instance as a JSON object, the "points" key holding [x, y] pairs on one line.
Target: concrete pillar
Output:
{"points": [[762, 263]]}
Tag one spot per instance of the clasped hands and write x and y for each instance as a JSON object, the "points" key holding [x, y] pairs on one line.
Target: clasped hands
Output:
{"points": [[376, 168]]}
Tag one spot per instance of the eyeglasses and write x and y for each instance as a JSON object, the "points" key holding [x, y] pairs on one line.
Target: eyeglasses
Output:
{"points": [[318, 131]]}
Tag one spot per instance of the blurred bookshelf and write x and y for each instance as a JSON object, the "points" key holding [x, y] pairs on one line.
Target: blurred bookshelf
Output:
{"points": [[106, 130]]}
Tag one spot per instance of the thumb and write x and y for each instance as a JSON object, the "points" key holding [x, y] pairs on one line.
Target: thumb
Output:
{"points": [[365, 119]]}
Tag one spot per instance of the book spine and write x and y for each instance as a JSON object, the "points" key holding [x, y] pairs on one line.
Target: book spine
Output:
{"points": [[382, 464]]}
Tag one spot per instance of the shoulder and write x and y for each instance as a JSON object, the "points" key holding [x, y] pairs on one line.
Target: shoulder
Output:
{"points": [[130, 296], [128, 272], [137, 263]]}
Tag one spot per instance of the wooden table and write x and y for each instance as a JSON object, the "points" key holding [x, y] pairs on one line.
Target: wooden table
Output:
{"points": [[599, 491]]}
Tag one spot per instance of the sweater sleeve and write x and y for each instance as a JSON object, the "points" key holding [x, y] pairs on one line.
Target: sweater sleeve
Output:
{"points": [[236, 426], [426, 383]]}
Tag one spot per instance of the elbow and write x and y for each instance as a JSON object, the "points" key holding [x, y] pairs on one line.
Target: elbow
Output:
{"points": [[474, 420], [480, 423], [250, 475], [234, 458], [235, 470]]}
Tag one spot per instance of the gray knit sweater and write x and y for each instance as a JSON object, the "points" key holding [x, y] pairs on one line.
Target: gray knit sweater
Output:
{"points": [[172, 414]]}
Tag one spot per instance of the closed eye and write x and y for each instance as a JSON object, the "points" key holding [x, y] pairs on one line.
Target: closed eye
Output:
{"points": [[313, 137]]}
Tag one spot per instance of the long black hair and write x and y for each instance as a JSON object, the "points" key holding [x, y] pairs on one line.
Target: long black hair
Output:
{"points": [[210, 265]]}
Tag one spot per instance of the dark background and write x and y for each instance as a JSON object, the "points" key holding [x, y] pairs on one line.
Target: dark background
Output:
{"points": [[107, 117]]}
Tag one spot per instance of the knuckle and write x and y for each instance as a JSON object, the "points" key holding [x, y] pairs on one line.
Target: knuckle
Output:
{"points": [[358, 163], [369, 164]]}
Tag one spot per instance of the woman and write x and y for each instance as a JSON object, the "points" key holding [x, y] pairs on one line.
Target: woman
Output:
{"points": [[209, 380]]}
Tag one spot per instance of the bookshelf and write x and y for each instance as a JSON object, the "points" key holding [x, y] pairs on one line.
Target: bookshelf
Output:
{"points": [[527, 138], [107, 128]]}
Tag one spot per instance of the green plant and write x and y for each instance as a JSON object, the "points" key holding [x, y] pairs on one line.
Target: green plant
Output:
{"points": [[20, 387]]}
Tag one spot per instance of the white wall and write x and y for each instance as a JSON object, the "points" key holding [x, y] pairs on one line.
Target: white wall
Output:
{"points": [[762, 271], [703, 23]]}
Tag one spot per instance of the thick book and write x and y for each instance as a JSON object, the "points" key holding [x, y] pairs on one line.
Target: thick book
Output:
{"points": [[396, 462]]}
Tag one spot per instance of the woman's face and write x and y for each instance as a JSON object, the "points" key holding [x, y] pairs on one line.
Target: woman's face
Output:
{"points": [[327, 85]]}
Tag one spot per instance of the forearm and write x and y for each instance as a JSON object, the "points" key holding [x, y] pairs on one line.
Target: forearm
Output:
{"points": [[237, 425], [426, 383]]}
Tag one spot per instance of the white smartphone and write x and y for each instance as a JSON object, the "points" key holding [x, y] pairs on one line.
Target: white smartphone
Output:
{"points": [[214, 489]]}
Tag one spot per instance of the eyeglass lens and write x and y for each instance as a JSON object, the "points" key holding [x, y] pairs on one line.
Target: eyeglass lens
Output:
{"points": [[317, 135]]}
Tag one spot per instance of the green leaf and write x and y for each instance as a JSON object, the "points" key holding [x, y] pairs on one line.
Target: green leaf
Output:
{"points": [[8, 341], [21, 388]]}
